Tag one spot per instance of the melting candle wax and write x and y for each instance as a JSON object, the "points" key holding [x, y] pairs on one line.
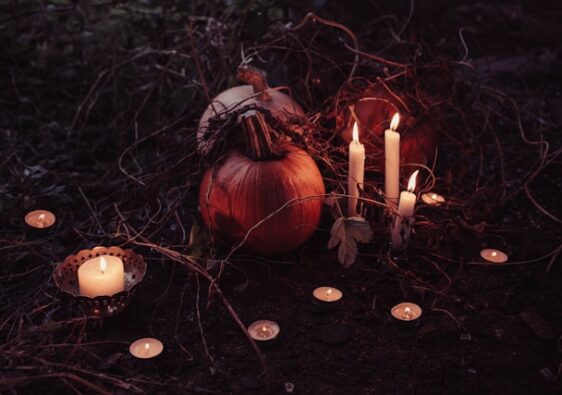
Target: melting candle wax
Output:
{"points": [[432, 199], [406, 311], [99, 276], [327, 294], [146, 348], [263, 330], [40, 219], [494, 256]]}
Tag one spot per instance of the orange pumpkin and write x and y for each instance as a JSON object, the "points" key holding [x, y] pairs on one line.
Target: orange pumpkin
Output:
{"points": [[249, 187]]}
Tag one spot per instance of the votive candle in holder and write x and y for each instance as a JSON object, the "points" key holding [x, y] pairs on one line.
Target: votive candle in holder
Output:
{"points": [[407, 313], [432, 199], [40, 219], [146, 348], [101, 276], [327, 294], [492, 255], [264, 330]]}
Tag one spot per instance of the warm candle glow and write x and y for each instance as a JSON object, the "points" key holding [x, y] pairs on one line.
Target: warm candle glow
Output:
{"points": [[263, 330], [434, 196], [406, 313], [395, 121], [327, 294], [146, 348], [493, 255], [412, 181], [40, 219], [103, 265]]}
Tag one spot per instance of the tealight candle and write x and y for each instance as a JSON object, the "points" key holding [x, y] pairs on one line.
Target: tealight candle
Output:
{"points": [[432, 199], [327, 294], [40, 219], [494, 256], [263, 330], [392, 162], [402, 225], [145, 348], [356, 175], [406, 311], [104, 275]]}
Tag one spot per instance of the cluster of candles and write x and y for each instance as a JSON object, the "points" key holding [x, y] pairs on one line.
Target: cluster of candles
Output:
{"points": [[105, 276], [404, 201], [267, 330]]}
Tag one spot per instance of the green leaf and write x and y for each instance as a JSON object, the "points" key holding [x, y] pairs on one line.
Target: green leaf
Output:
{"points": [[347, 232]]}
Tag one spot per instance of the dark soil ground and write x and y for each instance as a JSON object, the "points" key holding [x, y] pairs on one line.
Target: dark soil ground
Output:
{"points": [[97, 120]]}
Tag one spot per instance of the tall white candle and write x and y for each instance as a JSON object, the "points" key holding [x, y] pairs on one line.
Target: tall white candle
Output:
{"points": [[392, 162], [402, 225], [356, 175], [104, 275]]}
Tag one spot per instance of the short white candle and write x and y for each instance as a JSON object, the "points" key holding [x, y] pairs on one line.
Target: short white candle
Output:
{"points": [[40, 219], [432, 199], [402, 225], [146, 348], [327, 294], [263, 330], [406, 311], [493, 255], [392, 162], [101, 276], [356, 175]]}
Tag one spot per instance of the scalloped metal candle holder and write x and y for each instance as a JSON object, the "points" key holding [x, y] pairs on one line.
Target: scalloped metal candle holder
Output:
{"points": [[66, 279]]}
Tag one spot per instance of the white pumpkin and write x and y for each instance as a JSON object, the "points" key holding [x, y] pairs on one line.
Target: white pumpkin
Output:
{"points": [[256, 93]]}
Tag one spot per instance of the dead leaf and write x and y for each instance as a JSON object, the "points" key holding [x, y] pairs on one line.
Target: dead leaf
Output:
{"points": [[347, 232]]}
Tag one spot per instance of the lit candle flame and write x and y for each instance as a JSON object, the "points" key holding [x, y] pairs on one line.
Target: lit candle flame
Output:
{"points": [[412, 181], [395, 121], [41, 218], [355, 133], [407, 314], [434, 196], [146, 347], [329, 292], [103, 265], [494, 253]]}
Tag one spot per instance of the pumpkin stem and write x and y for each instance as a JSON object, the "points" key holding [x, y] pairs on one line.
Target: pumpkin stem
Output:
{"points": [[255, 77], [259, 145]]}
